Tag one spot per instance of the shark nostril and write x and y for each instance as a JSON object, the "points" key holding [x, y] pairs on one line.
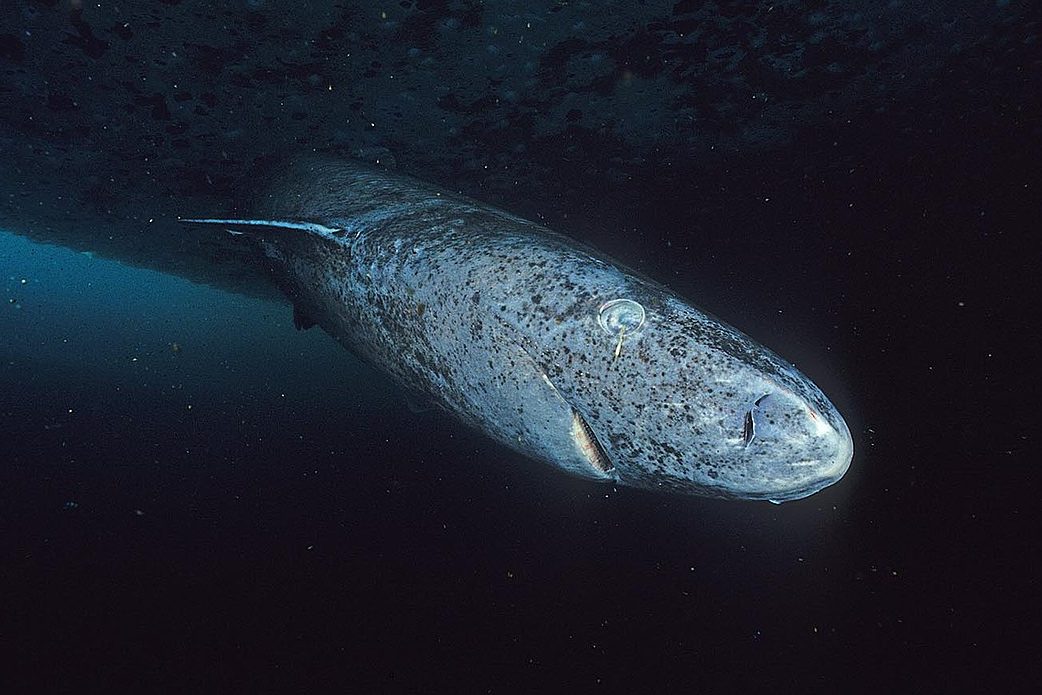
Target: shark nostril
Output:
{"points": [[749, 424]]}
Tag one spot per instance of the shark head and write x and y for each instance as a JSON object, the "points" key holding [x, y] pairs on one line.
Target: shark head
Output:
{"points": [[664, 396]]}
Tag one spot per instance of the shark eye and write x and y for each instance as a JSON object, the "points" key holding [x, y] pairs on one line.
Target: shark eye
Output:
{"points": [[620, 316]]}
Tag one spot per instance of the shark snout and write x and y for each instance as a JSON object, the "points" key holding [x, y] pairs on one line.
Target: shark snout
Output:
{"points": [[799, 449]]}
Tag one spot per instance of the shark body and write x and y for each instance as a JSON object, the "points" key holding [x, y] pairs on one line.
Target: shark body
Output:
{"points": [[543, 344]]}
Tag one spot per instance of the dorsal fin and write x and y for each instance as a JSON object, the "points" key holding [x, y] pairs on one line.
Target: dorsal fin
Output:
{"points": [[310, 227]]}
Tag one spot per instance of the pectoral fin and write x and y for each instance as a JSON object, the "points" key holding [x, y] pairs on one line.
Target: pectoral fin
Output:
{"points": [[554, 429], [301, 321]]}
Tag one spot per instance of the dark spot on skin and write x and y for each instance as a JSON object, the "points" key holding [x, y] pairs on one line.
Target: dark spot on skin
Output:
{"points": [[420, 308]]}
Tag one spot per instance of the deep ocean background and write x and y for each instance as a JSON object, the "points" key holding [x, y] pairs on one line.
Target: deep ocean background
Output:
{"points": [[196, 497]]}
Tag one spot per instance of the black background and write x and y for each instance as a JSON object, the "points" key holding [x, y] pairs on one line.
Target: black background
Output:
{"points": [[892, 253]]}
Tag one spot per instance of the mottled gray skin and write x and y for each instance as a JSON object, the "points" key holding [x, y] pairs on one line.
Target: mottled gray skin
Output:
{"points": [[495, 318]]}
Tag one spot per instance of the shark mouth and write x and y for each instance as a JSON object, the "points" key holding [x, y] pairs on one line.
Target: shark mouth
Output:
{"points": [[587, 444]]}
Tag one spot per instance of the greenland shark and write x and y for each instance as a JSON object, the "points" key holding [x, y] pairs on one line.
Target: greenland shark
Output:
{"points": [[543, 344]]}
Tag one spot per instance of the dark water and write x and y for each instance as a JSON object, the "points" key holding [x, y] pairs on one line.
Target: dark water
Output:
{"points": [[196, 497]]}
